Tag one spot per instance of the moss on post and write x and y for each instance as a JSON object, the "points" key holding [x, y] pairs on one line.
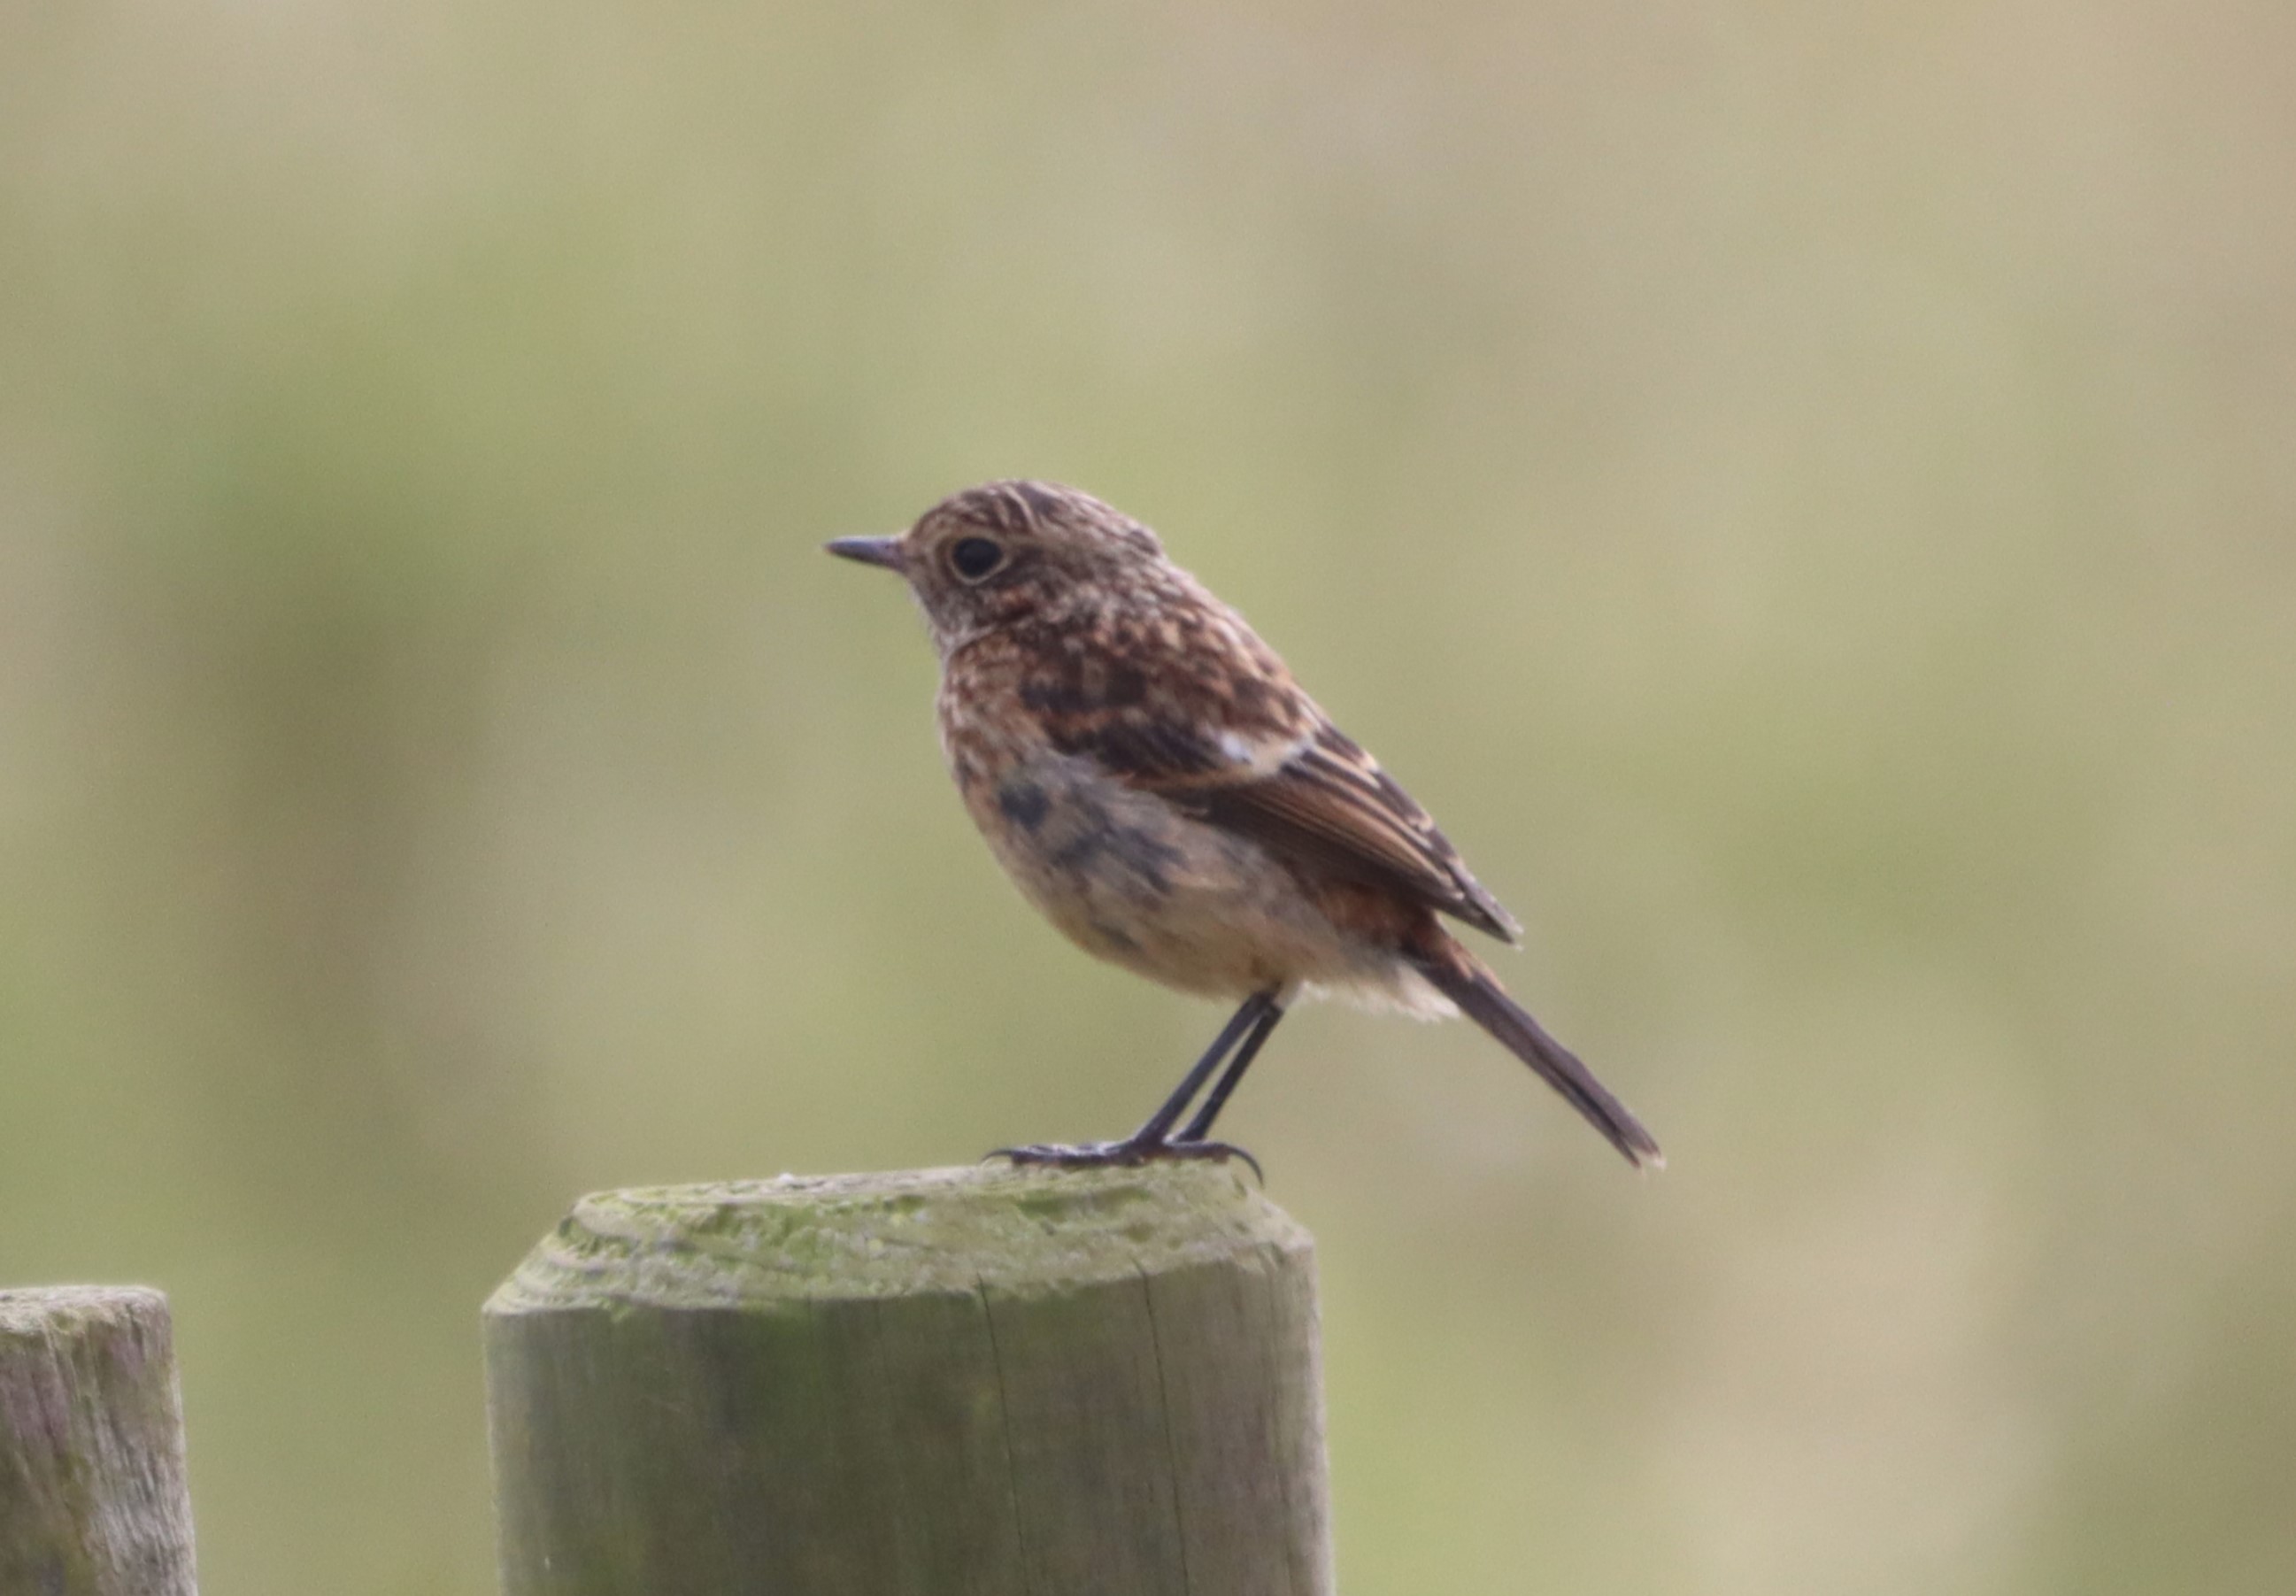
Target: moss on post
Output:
{"points": [[971, 1380], [92, 1496]]}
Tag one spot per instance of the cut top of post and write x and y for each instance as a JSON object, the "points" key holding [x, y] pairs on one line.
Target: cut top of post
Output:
{"points": [[893, 1234]]}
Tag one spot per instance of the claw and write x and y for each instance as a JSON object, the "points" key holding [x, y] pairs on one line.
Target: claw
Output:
{"points": [[1221, 1150]]}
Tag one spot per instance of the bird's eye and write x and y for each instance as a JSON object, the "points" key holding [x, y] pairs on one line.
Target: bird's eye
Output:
{"points": [[974, 558]]}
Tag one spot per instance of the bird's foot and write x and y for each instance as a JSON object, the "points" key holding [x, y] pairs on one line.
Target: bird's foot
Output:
{"points": [[1121, 1154]]}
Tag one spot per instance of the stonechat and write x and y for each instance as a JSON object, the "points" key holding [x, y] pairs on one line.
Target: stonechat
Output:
{"points": [[1149, 774]]}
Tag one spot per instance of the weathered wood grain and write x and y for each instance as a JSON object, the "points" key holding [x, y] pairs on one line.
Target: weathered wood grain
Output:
{"points": [[92, 1500]]}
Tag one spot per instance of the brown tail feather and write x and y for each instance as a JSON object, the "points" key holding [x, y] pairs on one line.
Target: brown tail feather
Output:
{"points": [[1460, 976]]}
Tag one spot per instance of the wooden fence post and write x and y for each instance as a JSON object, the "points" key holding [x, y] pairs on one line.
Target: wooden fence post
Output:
{"points": [[984, 1380], [93, 1500]]}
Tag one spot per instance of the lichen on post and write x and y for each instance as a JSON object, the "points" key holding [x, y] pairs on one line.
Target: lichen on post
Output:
{"points": [[92, 1500], [977, 1380]]}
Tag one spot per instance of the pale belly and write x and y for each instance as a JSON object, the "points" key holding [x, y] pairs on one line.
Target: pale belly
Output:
{"points": [[1131, 879]]}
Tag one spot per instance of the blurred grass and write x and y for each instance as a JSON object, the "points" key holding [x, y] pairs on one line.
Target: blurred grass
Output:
{"points": [[1804, 494]]}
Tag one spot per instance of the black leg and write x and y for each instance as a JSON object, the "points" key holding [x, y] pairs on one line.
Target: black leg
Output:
{"points": [[1262, 1029], [1245, 1030], [1242, 1026]]}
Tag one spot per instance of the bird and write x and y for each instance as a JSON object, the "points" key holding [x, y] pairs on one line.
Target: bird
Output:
{"points": [[1156, 783]]}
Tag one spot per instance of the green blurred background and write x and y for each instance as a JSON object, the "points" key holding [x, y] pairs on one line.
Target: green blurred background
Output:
{"points": [[1807, 494]]}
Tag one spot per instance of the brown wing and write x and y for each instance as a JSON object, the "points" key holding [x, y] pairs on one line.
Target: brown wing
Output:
{"points": [[1332, 805], [1206, 715]]}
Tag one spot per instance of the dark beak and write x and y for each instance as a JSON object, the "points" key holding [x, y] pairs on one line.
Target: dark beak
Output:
{"points": [[869, 551]]}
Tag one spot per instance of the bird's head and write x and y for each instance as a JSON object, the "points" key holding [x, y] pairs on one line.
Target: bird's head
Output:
{"points": [[1007, 552]]}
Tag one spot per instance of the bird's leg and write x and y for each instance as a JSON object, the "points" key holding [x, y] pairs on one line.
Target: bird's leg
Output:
{"points": [[1262, 1029], [1241, 1027], [1248, 1027]]}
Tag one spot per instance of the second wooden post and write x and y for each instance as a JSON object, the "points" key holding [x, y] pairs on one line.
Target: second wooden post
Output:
{"points": [[92, 1494]]}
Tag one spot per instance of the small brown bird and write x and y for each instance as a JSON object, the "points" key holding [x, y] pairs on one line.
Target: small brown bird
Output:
{"points": [[1148, 772]]}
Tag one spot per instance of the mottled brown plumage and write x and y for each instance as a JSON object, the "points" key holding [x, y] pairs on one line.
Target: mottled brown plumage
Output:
{"points": [[1153, 777]]}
